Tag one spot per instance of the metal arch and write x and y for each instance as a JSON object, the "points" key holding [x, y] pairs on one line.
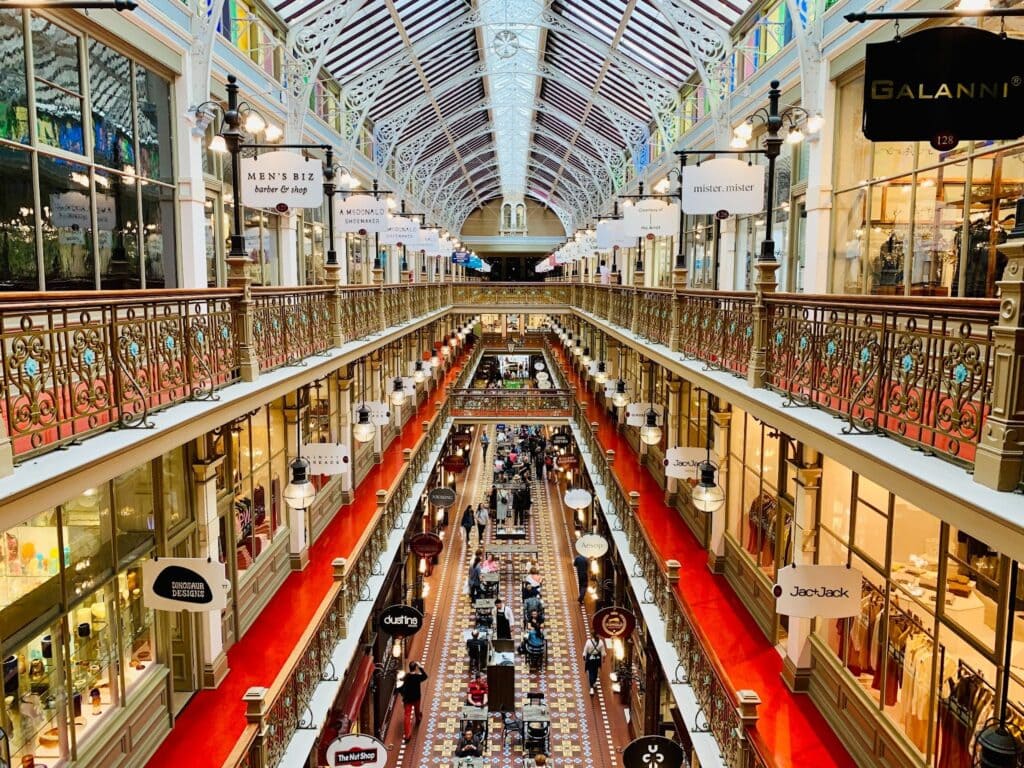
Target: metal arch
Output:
{"points": [[203, 26], [309, 40], [407, 154], [808, 30], [390, 129]]}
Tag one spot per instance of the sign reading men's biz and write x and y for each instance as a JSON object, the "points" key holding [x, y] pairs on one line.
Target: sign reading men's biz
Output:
{"points": [[282, 178], [911, 94], [184, 584], [823, 591]]}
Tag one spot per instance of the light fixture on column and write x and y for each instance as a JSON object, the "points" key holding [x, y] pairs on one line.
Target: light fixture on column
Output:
{"points": [[707, 496], [418, 374], [578, 349], [397, 391], [299, 493], [363, 430], [650, 432], [585, 357], [435, 359]]}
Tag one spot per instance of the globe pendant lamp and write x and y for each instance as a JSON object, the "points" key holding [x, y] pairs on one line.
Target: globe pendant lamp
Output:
{"points": [[363, 431], [620, 399], [707, 496], [650, 433], [299, 493], [418, 374], [600, 375], [397, 392]]}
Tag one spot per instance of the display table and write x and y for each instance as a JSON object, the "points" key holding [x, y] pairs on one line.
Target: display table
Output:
{"points": [[510, 532], [471, 717]]}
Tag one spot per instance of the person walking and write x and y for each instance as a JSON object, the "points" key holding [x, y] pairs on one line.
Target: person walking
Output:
{"points": [[582, 567], [485, 443], [593, 655], [467, 522], [481, 523], [475, 585], [412, 692]]}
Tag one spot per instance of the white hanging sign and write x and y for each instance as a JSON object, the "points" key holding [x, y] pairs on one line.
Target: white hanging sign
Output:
{"points": [[683, 462], [282, 180], [428, 241], [652, 217], [400, 231], [822, 591], [592, 546], [357, 750], [636, 414], [610, 234], [326, 458], [380, 413], [409, 385], [184, 584], [723, 185], [611, 387], [362, 214]]}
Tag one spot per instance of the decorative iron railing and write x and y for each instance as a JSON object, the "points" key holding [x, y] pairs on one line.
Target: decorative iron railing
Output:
{"points": [[277, 713], [536, 403]]}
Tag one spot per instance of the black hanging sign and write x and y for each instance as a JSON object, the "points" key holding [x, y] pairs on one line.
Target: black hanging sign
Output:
{"points": [[401, 620], [441, 497], [944, 85], [652, 752], [560, 438]]}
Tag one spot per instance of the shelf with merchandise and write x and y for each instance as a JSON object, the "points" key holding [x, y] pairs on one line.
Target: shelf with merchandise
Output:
{"points": [[36, 716]]}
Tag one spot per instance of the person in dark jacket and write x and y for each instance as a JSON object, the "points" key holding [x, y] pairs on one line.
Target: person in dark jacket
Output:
{"points": [[467, 522], [582, 566], [475, 586], [412, 691]]}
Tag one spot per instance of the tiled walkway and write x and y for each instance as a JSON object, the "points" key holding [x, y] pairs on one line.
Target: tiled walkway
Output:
{"points": [[790, 725], [207, 729]]}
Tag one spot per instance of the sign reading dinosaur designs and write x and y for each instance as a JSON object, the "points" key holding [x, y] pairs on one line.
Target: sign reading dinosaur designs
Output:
{"points": [[184, 584], [912, 94]]}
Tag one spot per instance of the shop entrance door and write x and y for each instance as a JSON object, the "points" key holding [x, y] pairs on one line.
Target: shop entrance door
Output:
{"points": [[184, 649], [798, 250]]}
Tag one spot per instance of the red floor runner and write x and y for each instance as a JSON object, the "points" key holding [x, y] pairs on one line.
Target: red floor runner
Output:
{"points": [[213, 720], [790, 725]]}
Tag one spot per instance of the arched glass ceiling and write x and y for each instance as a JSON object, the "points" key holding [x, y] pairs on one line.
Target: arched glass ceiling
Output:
{"points": [[541, 98]]}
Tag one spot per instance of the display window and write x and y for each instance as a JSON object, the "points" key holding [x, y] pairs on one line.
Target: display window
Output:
{"points": [[923, 648]]}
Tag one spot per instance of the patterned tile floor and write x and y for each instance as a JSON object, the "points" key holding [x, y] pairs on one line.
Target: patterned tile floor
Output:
{"points": [[581, 729]]}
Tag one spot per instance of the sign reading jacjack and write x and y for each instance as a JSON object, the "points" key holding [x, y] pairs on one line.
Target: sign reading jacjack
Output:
{"points": [[823, 591], [282, 178]]}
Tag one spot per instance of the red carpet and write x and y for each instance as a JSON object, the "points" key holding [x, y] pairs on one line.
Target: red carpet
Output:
{"points": [[213, 720], [791, 727]]}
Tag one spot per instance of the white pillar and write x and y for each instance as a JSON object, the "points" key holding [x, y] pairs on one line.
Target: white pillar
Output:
{"points": [[716, 536], [727, 257], [817, 261], [344, 434], [288, 272], [377, 396], [298, 527], [191, 188], [215, 660], [796, 668], [672, 431]]}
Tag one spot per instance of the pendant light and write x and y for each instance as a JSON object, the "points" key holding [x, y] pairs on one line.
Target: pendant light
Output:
{"points": [[299, 493], [650, 432], [620, 399], [585, 357], [398, 391], [363, 431], [418, 374], [707, 496]]}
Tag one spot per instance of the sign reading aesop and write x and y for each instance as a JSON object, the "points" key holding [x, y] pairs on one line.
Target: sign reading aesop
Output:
{"points": [[184, 584], [401, 620], [977, 92], [613, 622], [652, 752], [592, 546]]}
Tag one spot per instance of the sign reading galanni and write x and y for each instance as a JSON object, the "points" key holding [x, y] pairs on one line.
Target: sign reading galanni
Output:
{"points": [[910, 94], [400, 231], [652, 752], [362, 214], [613, 622], [357, 750], [823, 591], [401, 620], [651, 218], [184, 584], [591, 545], [326, 458], [682, 462], [282, 178], [723, 184]]}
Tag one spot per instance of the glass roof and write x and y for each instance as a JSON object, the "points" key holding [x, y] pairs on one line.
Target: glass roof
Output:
{"points": [[511, 98]]}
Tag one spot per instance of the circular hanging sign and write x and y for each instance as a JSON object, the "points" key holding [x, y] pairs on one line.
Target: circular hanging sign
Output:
{"points": [[652, 752], [591, 545], [281, 207], [357, 750], [538, 366], [613, 623], [578, 498], [441, 497], [454, 463], [426, 544], [401, 620], [722, 215]]}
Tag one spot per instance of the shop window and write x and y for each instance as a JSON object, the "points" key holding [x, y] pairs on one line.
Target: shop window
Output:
{"points": [[258, 460], [19, 268], [86, 533], [58, 86], [117, 232], [13, 91], [853, 163], [34, 712], [111, 108], [175, 479], [93, 660], [32, 561], [66, 194], [135, 520], [155, 125], [158, 236], [138, 649]]}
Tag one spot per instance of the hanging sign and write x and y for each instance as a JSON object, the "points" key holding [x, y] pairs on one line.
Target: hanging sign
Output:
{"points": [[326, 458], [911, 94], [651, 218], [723, 185], [357, 750], [652, 752], [568, 462], [428, 241], [380, 413], [362, 214], [400, 231], [591, 545], [426, 545], [611, 234], [441, 497], [454, 463], [613, 622], [560, 439], [460, 257], [184, 584], [281, 180], [636, 414], [578, 498], [683, 462], [822, 591], [401, 620]]}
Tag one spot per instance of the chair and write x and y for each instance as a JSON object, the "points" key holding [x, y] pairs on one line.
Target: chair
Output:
{"points": [[536, 738], [512, 725], [535, 697], [536, 655]]}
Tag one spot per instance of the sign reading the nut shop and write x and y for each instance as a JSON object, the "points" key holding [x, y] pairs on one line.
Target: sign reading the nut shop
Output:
{"points": [[613, 622], [974, 92]]}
